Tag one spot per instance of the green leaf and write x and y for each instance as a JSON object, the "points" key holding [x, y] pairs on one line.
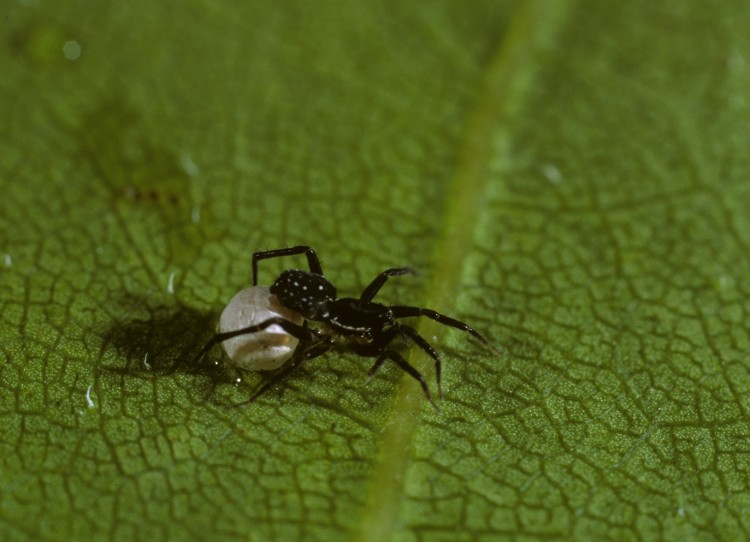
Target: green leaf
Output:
{"points": [[570, 178]]}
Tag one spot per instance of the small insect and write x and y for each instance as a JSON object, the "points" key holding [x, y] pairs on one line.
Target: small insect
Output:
{"points": [[268, 328]]}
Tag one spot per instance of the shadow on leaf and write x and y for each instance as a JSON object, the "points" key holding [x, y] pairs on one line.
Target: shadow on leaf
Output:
{"points": [[164, 343]]}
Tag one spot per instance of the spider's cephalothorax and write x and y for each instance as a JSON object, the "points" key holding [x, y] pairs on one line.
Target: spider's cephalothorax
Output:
{"points": [[359, 321], [366, 327]]}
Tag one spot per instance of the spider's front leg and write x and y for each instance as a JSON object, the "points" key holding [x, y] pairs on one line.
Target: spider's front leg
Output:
{"points": [[428, 349], [407, 367], [401, 311], [378, 281], [380, 349]]}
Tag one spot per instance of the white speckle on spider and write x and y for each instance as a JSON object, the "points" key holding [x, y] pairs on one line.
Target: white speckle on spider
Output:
{"points": [[264, 350]]}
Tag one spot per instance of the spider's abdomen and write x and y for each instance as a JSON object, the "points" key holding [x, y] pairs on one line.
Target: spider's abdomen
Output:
{"points": [[307, 293], [351, 317]]}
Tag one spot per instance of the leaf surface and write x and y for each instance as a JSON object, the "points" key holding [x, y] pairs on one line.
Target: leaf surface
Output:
{"points": [[570, 178]]}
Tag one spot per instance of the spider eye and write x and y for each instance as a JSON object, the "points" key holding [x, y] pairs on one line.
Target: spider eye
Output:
{"points": [[306, 293]]}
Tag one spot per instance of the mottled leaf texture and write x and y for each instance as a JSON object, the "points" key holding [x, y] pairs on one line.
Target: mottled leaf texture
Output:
{"points": [[571, 178]]}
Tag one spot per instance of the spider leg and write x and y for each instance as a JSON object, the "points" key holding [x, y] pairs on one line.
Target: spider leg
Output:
{"points": [[401, 311], [300, 332], [378, 282], [378, 348], [313, 351], [429, 350], [401, 362], [376, 366], [312, 258]]}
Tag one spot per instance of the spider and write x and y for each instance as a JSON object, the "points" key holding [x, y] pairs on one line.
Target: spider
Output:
{"points": [[279, 316]]}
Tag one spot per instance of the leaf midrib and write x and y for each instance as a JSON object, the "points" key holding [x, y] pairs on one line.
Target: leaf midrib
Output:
{"points": [[506, 78]]}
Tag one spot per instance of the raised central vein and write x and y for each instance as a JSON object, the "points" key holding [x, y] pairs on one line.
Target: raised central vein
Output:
{"points": [[505, 79]]}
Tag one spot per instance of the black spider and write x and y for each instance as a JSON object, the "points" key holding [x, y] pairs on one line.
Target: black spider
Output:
{"points": [[367, 327]]}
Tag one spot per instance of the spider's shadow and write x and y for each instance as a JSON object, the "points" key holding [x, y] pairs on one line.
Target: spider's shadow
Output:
{"points": [[162, 340]]}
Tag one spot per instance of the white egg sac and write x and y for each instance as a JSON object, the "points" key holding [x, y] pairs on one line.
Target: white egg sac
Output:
{"points": [[262, 350]]}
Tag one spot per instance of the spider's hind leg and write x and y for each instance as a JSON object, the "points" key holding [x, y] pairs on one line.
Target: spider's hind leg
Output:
{"points": [[312, 258], [312, 351], [301, 332]]}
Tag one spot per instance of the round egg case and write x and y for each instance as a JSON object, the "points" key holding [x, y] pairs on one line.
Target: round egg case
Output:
{"points": [[263, 350]]}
